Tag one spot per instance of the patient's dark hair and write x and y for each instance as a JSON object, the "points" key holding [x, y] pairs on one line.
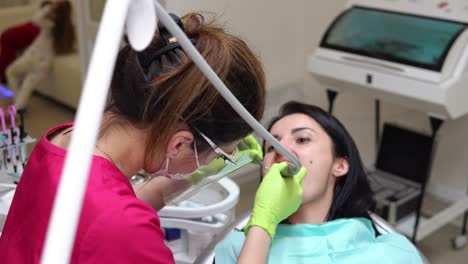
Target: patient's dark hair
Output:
{"points": [[352, 195]]}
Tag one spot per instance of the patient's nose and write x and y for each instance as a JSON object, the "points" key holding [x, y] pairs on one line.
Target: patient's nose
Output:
{"points": [[279, 157]]}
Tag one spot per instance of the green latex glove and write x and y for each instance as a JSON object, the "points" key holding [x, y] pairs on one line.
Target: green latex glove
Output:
{"points": [[250, 147], [212, 168], [276, 199]]}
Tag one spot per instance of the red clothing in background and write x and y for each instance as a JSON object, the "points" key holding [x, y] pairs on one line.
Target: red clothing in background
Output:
{"points": [[13, 41]]}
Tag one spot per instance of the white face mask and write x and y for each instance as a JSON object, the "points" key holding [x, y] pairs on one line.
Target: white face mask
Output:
{"points": [[177, 176]]}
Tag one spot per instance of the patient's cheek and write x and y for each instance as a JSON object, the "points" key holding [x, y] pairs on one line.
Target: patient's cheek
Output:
{"points": [[312, 182]]}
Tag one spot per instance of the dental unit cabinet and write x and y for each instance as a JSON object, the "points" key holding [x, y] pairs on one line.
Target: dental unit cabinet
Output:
{"points": [[406, 52]]}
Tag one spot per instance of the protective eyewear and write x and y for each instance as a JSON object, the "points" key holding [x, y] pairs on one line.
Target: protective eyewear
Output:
{"points": [[226, 157]]}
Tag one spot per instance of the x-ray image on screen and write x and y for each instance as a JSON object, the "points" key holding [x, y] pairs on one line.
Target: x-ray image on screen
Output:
{"points": [[408, 39]]}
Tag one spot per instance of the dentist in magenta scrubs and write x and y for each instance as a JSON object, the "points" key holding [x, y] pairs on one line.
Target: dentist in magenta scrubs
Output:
{"points": [[160, 114]]}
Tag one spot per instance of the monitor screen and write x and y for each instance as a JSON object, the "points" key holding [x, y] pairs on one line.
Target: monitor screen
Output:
{"points": [[404, 153], [402, 38]]}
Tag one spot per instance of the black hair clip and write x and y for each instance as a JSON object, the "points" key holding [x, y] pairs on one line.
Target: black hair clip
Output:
{"points": [[170, 43]]}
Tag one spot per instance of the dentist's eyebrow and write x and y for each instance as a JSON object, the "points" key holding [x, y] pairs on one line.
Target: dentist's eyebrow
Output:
{"points": [[297, 129]]}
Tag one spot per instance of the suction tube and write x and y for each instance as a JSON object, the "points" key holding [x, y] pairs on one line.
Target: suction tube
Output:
{"points": [[196, 57]]}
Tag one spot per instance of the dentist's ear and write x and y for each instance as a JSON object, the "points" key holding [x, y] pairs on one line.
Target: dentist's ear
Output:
{"points": [[179, 142], [340, 167]]}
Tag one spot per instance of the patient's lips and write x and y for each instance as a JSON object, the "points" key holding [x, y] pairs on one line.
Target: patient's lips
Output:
{"points": [[282, 159]]}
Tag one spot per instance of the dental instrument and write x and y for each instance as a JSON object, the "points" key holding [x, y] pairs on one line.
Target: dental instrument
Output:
{"points": [[23, 155], [14, 133], [4, 138], [22, 131], [22, 135], [14, 151]]}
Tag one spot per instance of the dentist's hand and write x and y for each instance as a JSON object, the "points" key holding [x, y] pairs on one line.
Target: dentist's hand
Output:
{"points": [[250, 147], [276, 199]]}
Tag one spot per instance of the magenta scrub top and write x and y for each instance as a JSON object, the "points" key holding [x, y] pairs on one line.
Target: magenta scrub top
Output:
{"points": [[114, 227]]}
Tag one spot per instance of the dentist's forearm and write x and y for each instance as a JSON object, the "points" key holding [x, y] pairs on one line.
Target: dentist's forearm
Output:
{"points": [[153, 191], [256, 246], [150, 192]]}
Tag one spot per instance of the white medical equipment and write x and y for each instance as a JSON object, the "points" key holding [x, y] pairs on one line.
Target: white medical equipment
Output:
{"points": [[13, 156], [200, 219], [71, 188], [7, 190], [412, 53], [406, 52]]}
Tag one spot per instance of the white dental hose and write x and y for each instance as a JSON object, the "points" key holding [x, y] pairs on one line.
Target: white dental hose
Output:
{"points": [[65, 215], [197, 58]]}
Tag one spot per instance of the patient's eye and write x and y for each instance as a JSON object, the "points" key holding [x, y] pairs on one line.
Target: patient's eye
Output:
{"points": [[269, 149], [302, 140]]}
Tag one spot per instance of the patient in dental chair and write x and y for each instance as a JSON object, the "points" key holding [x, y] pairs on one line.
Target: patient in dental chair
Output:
{"points": [[333, 224]]}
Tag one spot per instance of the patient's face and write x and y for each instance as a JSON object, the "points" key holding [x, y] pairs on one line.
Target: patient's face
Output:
{"points": [[306, 139]]}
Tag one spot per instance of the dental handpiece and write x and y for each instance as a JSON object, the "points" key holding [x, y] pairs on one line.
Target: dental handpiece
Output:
{"points": [[2, 117], [23, 154], [22, 135], [13, 158], [12, 112], [22, 131], [4, 137], [286, 172]]}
